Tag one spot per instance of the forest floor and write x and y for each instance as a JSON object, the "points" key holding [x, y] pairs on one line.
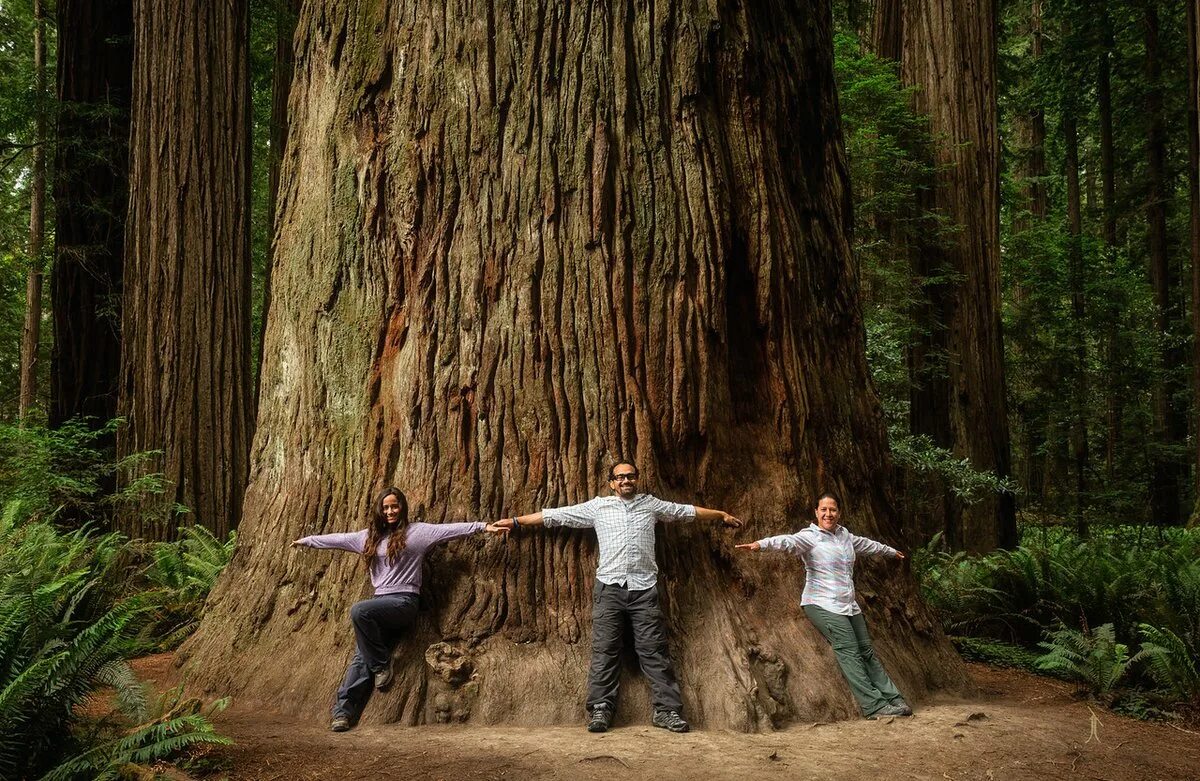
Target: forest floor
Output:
{"points": [[1019, 727]]}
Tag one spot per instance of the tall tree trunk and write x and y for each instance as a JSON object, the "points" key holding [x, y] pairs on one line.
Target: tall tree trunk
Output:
{"points": [[91, 196], [1193, 125], [1170, 422], [516, 243], [1038, 199], [1079, 407], [949, 53], [186, 386], [1030, 126], [281, 86], [31, 334], [1112, 411]]}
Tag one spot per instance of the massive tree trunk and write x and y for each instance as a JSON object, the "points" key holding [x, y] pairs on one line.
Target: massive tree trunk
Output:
{"points": [[186, 386], [949, 52], [516, 243], [1170, 422], [95, 72], [31, 333]]}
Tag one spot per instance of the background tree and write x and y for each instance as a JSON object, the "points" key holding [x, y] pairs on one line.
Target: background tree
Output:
{"points": [[95, 72], [31, 341], [515, 244], [958, 387], [186, 388]]}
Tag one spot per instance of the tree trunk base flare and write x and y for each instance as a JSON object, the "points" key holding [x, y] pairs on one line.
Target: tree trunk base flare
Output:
{"points": [[516, 245]]}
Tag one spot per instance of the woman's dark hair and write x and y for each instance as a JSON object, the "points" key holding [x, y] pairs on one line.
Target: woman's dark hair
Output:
{"points": [[828, 495], [396, 534]]}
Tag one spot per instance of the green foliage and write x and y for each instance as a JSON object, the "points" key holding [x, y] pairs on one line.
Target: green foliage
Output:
{"points": [[1172, 662], [67, 625], [1093, 658], [161, 733], [46, 469], [996, 652], [1142, 584], [183, 572]]}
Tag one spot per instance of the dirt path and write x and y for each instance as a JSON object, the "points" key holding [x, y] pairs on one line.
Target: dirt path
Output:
{"points": [[1021, 728]]}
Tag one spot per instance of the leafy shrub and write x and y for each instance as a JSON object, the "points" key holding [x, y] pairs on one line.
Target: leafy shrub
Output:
{"points": [[1093, 658], [1143, 582], [183, 572], [996, 652], [1171, 663], [66, 628]]}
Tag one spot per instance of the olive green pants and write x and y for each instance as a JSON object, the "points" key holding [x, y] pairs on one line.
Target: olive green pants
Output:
{"points": [[852, 648]]}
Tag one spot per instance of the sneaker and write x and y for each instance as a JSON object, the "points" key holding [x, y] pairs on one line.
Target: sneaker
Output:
{"points": [[383, 678], [669, 719], [905, 708], [889, 710], [340, 724], [601, 718]]}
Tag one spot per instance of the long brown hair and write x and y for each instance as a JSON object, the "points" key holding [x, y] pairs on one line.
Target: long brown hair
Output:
{"points": [[396, 534]]}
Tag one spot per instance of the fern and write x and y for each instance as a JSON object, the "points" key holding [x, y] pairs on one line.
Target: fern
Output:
{"points": [[1171, 662], [1093, 658]]}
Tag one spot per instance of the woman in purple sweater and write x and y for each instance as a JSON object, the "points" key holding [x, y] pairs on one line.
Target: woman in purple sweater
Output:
{"points": [[393, 550]]}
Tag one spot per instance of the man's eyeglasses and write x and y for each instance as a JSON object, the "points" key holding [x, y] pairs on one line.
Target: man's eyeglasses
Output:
{"points": [[630, 477]]}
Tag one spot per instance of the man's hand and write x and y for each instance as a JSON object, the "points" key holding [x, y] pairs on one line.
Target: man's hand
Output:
{"points": [[750, 546], [730, 521], [900, 555]]}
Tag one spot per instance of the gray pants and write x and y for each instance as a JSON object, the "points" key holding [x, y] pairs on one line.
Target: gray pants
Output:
{"points": [[852, 648], [610, 605], [378, 625]]}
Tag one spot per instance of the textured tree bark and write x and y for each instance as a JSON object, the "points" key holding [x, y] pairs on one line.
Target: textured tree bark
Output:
{"points": [[186, 386], [95, 73], [1193, 125], [31, 333], [1170, 422], [948, 51], [516, 243], [281, 87]]}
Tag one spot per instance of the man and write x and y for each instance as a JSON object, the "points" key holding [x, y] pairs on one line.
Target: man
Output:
{"points": [[626, 580]]}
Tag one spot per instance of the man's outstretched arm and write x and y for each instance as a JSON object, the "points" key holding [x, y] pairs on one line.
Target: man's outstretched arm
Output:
{"points": [[712, 516]]}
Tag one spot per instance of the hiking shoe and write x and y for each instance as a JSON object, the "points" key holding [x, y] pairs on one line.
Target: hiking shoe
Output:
{"points": [[340, 724], [383, 678], [905, 708], [601, 718], [669, 719], [889, 710]]}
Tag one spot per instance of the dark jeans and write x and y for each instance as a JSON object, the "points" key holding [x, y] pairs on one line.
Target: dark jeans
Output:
{"points": [[610, 604], [378, 623]]}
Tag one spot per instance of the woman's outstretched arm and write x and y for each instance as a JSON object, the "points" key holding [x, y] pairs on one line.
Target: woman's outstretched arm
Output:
{"points": [[347, 541]]}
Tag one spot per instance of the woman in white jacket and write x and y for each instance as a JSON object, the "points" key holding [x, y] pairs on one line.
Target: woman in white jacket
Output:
{"points": [[829, 551]]}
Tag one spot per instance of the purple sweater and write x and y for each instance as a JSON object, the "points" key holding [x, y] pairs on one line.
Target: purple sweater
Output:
{"points": [[402, 576]]}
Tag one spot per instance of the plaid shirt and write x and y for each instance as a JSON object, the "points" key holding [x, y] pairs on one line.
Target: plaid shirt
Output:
{"points": [[625, 531], [828, 564]]}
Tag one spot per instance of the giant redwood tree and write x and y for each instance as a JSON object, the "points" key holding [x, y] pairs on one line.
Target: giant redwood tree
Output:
{"points": [[948, 51], [186, 390], [517, 242]]}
